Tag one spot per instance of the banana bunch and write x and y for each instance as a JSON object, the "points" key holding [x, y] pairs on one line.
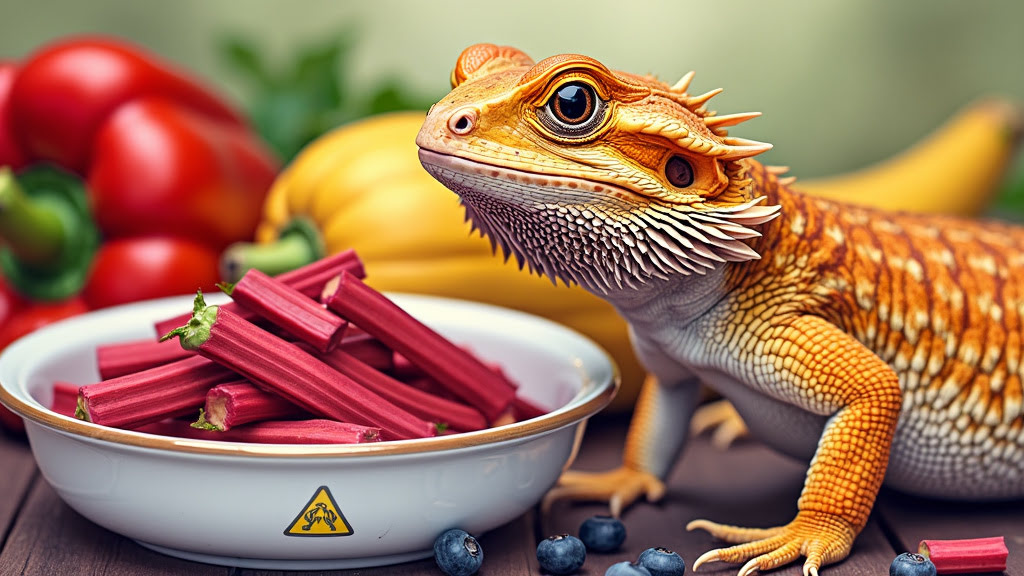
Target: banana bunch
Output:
{"points": [[361, 186]]}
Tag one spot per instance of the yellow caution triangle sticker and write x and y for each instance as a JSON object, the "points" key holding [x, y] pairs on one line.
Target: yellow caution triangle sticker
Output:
{"points": [[320, 517]]}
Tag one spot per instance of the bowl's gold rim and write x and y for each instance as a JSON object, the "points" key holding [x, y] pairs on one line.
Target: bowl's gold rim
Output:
{"points": [[554, 420]]}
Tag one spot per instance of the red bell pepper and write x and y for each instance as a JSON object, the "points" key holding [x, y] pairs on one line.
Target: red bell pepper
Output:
{"points": [[131, 176]]}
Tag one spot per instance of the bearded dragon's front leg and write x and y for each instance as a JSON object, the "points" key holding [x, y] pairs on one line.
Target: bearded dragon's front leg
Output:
{"points": [[656, 436], [818, 367]]}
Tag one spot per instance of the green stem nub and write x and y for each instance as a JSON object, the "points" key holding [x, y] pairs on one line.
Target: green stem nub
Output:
{"points": [[197, 330], [48, 233], [298, 244]]}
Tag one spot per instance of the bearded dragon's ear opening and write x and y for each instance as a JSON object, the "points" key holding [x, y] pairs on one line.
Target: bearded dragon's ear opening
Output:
{"points": [[486, 58]]}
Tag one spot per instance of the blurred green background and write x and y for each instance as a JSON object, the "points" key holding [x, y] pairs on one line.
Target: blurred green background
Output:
{"points": [[841, 84]]}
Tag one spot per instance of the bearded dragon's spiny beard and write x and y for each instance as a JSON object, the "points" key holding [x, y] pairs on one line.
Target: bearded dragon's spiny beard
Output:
{"points": [[604, 179], [584, 233]]}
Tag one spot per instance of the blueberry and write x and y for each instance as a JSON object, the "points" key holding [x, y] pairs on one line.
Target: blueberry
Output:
{"points": [[602, 533], [662, 562], [561, 554], [626, 569], [457, 553], [910, 564]]}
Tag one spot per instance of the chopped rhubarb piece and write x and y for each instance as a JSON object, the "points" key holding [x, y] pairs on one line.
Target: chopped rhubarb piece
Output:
{"points": [[313, 431], [236, 403], [454, 415], [368, 350], [118, 359], [308, 279], [167, 391], [65, 398], [972, 556], [454, 368], [525, 409], [290, 310], [286, 369]]}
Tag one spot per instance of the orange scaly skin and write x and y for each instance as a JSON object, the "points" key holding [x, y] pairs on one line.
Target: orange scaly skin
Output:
{"points": [[877, 346]]}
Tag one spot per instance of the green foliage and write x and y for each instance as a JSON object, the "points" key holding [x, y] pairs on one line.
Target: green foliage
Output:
{"points": [[306, 96]]}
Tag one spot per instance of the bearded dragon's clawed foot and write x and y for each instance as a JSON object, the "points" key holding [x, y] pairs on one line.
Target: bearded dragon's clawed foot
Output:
{"points": [[721, 418], [620, 488], [821, 538]]}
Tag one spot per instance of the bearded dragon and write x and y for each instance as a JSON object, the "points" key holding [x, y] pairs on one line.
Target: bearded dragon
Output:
{"points": [[875, 346]]}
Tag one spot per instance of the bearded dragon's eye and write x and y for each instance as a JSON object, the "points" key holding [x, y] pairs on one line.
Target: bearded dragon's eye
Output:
{"points": [[574, 110], [679, 172], [573, 103]]}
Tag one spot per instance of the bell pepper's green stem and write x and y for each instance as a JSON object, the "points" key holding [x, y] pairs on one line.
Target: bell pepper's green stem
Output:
{"points": [[298, 244], [31, 227], [48, 231]]}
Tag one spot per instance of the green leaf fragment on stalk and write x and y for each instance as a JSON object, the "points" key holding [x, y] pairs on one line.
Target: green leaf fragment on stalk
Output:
{"points": [[197, 331], [203, 424]]}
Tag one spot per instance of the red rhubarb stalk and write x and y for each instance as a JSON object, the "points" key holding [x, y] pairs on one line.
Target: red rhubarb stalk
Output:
{"points": [[452, 415], [167, 391], [65, 398], [972, 556], [367, 349], [308, 279], [118, 359], [236, 403], [313, 431], [286, 369], [458, 371], [290, 310]]}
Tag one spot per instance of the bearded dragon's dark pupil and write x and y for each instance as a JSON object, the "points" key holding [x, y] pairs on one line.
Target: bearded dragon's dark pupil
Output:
{"points": [[679, 172], [573, 103]]}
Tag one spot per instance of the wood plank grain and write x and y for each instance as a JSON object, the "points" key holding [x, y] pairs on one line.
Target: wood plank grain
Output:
{"points": [[18, 470], [747, 485], [50, 538], [910, 519]]}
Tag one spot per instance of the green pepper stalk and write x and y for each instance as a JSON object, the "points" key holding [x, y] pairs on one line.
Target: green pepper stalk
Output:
{"points": [[49, 234], [298, 244]]}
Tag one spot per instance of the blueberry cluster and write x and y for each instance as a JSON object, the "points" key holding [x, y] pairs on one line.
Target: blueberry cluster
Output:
{"points": [[565, 554]]}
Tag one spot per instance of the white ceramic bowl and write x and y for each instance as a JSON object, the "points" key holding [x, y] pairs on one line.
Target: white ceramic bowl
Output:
{"points": [[244, 504]]}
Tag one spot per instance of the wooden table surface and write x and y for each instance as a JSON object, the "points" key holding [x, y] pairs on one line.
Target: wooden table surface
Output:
{"points": [[748, 485]]}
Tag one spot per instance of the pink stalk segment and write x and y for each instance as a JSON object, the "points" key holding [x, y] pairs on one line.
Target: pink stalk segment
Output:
{"points": [[286, 369], [458, 371], [167, 391], [118, 359], [308, 279], [288, 309], [65, 398], [970, 556], [313, 431], [236, 403], [452, 415], [367, 350]]}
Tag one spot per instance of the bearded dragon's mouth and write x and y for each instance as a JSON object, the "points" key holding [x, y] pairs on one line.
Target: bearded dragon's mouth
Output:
{"points": [[482, 169], [602, 237]]}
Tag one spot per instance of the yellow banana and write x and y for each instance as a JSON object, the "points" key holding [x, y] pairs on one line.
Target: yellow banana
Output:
{"points": [[361, 186], [956, 170]]}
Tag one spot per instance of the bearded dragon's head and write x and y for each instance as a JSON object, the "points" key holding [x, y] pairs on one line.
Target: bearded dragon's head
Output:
{"points": [[592, 176]]}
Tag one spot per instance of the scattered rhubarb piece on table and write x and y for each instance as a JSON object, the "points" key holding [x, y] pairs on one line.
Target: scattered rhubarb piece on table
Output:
{"points": [[286, 369], [290, 310], [970, 556], [461, 373], [120, 358], [235, 403], [167, 391]]}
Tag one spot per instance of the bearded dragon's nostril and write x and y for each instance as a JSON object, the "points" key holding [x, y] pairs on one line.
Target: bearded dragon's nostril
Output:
{"points": [[463, 121]]}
